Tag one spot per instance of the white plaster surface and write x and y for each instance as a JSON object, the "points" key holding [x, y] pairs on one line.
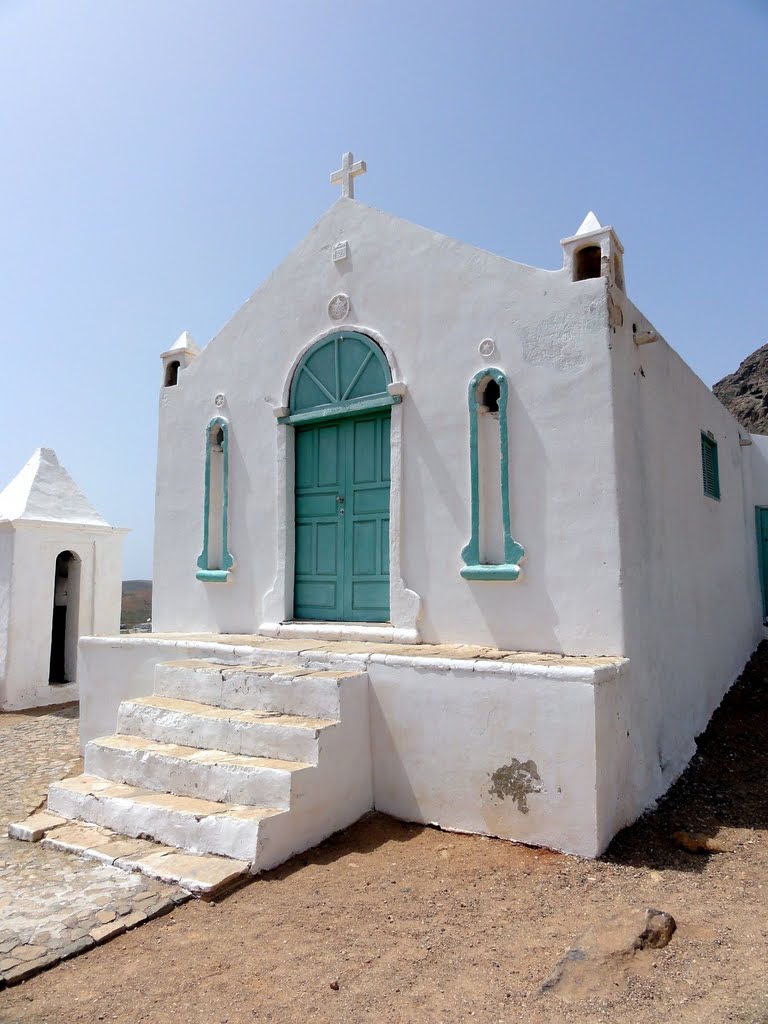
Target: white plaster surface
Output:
{"points": [[589, 224], [43, 513], [118, 669], [689, 580], [439, 730], [625, 555], [257, 784], [413, 289], [439, 737], [43, 490]]}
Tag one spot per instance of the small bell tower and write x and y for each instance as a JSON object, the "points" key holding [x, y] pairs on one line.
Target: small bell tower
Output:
{"points": [[594, 251], [178, 357]]}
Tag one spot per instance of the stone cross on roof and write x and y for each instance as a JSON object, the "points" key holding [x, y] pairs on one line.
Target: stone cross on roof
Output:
{"points": [[346, 176]]}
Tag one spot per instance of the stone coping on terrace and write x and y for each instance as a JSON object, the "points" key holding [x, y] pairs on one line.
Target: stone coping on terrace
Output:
{"points": [[467, 657]]}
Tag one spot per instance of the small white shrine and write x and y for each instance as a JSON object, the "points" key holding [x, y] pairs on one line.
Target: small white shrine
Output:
{"points": [[60, 578], [437, 533]]}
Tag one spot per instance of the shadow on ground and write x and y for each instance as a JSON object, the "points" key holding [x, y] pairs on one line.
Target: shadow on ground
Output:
{"points": [[365, 836], [724, 786], [70, 710]]}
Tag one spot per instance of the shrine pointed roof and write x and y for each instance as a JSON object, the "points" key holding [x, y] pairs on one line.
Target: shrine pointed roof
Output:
{"points": [[44, 491]]}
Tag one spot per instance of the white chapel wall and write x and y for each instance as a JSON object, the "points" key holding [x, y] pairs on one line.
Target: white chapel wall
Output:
{"points": [[689, 572], [488, 752], [432, 300]]}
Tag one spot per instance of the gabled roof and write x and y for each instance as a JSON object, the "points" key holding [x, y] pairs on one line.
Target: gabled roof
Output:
{"points": [[44, 491]]}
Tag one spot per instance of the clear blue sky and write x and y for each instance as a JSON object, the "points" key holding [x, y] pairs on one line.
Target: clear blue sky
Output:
{"points": [[159, 157]]}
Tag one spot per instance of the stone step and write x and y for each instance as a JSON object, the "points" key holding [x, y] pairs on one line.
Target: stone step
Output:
{"points": [[252, 733], [291, 689], [188, 771], [198, 826], [201, 874]]}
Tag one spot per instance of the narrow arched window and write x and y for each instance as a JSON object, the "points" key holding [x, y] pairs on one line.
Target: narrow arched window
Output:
{"points": [[215, 561], [172, 374], [588, 263], [491, 553]]}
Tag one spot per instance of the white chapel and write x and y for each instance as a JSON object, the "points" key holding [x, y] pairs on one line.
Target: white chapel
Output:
{"points": [[437, 533]]}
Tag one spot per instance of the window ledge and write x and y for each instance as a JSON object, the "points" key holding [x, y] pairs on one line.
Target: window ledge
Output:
{"points": [[490, 572], [213, 575]]}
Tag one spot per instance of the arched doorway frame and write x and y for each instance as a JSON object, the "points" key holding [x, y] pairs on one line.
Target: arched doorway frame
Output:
{"points": [[71, 619], [404, 604]]}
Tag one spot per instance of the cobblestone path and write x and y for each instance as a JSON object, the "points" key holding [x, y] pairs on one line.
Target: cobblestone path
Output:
{"points": [[54, 905]]}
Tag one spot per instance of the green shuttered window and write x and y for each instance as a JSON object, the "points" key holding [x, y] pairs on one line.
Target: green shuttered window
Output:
{"points": [[709, 467]]}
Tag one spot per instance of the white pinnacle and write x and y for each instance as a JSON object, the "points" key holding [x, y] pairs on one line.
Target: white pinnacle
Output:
{"points": [[44, 490], [347, 174], [184, 342], [590, 223]]}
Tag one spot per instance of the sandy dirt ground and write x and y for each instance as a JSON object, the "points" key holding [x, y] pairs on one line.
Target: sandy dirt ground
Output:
{"points": [[399, 923]]}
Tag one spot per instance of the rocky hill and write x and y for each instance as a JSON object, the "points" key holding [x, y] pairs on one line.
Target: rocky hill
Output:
{"points": [[137, 603], [745, 392]]}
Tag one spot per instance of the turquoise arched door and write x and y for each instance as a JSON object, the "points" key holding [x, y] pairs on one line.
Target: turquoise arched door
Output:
{"points": [[340, 409]]}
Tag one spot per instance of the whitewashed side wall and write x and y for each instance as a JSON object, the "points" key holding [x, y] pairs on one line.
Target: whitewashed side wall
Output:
{"points": [[689, 570], [430, 301], [6, 582]]}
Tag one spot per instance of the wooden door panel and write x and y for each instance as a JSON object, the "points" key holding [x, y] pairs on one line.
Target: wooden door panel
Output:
{"points": [[318, 591], [342, 520], [368, 507]]}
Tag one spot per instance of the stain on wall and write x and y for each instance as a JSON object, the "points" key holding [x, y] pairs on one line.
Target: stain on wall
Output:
{"points": [[558, 342], [517, 780]]}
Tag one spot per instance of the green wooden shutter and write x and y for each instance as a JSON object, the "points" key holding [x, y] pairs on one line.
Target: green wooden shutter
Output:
{"points": [[709, 467]]}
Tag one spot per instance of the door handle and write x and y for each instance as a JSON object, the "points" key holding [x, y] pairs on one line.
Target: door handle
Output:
{"points": [[339, 499]]}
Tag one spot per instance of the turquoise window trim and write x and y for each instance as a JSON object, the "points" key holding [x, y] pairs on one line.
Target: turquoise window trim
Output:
{"points": [[337, 411], [335, 380], [473, 569], [212, 575], [205, 574]]}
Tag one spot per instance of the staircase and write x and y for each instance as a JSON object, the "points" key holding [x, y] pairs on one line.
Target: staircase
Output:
{"points": [[266, 761]]}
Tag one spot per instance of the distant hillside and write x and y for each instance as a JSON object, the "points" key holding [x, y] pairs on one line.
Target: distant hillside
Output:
{"points": [[745, 392], [137, 603]]}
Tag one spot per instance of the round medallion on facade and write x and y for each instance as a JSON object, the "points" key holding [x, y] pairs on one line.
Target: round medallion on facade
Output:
{"points": [[487, 347], [338, 307], [218, 400]]}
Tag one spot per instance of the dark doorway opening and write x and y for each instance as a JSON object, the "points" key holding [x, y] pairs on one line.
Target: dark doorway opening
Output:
{"points": [[64, 625]]}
